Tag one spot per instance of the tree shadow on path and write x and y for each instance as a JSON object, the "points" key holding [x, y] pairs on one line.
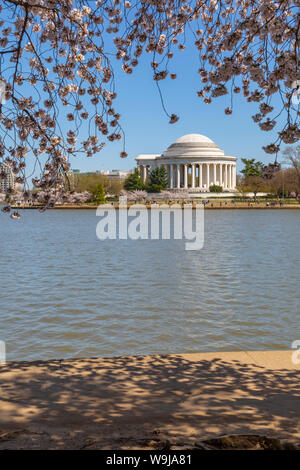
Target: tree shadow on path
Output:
{"points": [[110, 401]]}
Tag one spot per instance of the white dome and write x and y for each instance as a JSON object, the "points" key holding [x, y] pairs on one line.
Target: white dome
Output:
{"points": [[193, 138], [193, 146]]}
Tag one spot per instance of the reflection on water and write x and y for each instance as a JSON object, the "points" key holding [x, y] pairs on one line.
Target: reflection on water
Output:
{"points": [[64, 293]]}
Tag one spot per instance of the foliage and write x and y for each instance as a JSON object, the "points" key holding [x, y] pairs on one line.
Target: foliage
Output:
{"points": [[158, 178], [136, 195], [99, 194], [214, 188], [252, 167], [134, 182], [57, 75], [154, 188], [89, 182], [39, 197], [80, 198], [174, 195]]}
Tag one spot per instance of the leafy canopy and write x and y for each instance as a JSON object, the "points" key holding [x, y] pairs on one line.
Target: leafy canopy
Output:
{"points": [[159, 178], [99, 194], [58, 59], [251, 167], [134, 182], [214, 188]]}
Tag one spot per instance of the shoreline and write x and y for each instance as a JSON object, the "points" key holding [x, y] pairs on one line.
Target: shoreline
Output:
{"points": [[144, 402], [207, 207]]}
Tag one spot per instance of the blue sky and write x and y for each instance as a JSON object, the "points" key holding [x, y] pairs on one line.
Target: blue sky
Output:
{"points": [[147, 128]]}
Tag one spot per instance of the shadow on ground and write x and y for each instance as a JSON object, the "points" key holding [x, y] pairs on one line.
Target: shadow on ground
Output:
{"points": [[143, 402]]}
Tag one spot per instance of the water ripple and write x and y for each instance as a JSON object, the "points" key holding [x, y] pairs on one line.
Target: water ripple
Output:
{"points": [[63, 293]]}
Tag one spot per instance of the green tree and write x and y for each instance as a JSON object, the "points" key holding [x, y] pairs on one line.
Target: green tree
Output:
{"points": [[134, 182], [159, 178], [90, 181], [215, 188], [99, 194], [252, 168], [153, 188]]}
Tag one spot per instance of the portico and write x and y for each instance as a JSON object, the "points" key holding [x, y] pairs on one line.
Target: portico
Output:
{"points": [[192, 161]]}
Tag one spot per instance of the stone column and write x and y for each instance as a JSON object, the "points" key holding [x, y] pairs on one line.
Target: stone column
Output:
{"points": [[230, 176], [167, 170], [193, 175], [178, 175], [185, 175], [171, 176], [234, 176], [144, 173], [174, 175], [221, 174], [200, 175], [207, 175], [226, 176], [215, 173]]}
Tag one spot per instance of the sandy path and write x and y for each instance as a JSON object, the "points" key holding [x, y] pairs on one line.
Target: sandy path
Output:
{"points": [[140, 402]]}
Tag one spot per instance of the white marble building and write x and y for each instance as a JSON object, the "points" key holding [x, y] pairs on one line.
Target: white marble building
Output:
{"points": [[194, 155]]}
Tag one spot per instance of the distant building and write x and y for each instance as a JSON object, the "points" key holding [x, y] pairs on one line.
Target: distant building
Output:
{"points": [[114, 174], [192, 161], [117, 174], [7, 179]]}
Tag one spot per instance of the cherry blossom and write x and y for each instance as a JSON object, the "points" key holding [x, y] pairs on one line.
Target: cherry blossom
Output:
{"points": [[57, 84], [137, 195]]}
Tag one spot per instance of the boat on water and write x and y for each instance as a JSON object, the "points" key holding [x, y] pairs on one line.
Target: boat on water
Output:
{"points": [[15, 215]]}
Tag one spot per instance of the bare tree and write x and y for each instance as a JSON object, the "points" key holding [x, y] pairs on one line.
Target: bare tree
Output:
{"points": [[57, 78], [292, 154], [254, 184], [286, 182]]}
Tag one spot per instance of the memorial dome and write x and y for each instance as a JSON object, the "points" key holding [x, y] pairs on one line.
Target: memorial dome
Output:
{"points": [[192, 138], [193, 161], [191, 145]]}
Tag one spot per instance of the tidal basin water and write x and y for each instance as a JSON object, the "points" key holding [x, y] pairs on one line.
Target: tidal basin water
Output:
{"points": [[64, 293]]}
